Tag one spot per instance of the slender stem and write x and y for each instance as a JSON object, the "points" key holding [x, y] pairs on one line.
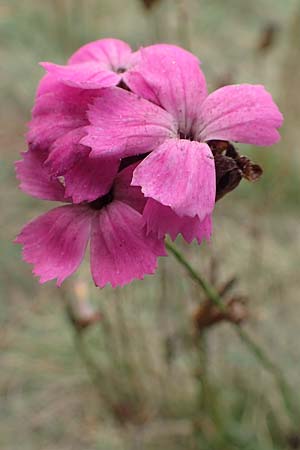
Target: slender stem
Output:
{"points": [[253, 347], [94, 371], [284, 388], [209, 290], [91, 366]]}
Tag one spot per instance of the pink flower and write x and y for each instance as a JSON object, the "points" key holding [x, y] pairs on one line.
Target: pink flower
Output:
{"points": [[59, 115], [55, 242], [174, 118], [59, 118], [99, 64]]}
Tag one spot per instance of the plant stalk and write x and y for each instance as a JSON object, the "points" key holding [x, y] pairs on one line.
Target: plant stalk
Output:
{"points": [[213, 295]]}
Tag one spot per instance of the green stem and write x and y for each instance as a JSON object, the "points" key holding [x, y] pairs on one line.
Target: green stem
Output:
{"points": [[284, 388], [95, 374], [209, 290], [91, 367], [253, 347]]}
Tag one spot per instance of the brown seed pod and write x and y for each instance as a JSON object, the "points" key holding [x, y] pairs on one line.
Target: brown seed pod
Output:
{"points": [[208, 314], [231, 167], [228, 175], [250, 170]]}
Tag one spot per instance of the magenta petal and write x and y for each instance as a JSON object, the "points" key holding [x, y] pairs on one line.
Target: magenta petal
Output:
{"points": [[47, 85], [112, 54], [88, 75], [120, 249], [170, 77], [90, 178], [162, 220], [131, 195], [242, 113], [96, 65], [67, 151], [35, 177], [123, 124], [55, 242], [179, 174], [57, 112], [58, 123]]}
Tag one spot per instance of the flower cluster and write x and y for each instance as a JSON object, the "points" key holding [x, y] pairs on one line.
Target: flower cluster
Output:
{"points": [[136, 148]]}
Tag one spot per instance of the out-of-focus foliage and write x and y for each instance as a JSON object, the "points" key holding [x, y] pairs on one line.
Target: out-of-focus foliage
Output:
{"points": [[143, 345]]}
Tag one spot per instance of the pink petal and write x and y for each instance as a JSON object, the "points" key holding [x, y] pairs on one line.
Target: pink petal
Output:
{"points": [[170, 77], [47, 85], [162, 220], [112, 54], [35, 177], [90, 178], [58, 121], [179, 174], [123, 124], [88, 75], [242, 113], [67, 151], [131, 195], [57, 112], [96, 65], [55, 242], [120, 249]]}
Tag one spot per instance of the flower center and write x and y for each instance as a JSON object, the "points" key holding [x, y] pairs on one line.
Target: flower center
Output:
{"points": [[121, 70], [100, 202], [189, 136]]}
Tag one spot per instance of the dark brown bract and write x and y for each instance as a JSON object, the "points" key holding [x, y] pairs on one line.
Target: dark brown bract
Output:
{"points": [[231, 167]]}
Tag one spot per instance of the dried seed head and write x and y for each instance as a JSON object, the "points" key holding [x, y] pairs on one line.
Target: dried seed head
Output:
{"points": [[231, 167], [250, 170], [208, 314], [228, 175]]}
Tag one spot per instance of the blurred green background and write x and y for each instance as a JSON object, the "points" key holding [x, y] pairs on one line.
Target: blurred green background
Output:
{"points": [[145, 392]]}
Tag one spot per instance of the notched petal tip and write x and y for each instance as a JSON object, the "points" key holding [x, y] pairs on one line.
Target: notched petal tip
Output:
{"points": [[160, 220]]}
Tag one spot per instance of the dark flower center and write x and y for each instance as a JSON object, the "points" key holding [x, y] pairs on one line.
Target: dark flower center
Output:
{"points": [[121, 70], [189, 136], [100, 202]]}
